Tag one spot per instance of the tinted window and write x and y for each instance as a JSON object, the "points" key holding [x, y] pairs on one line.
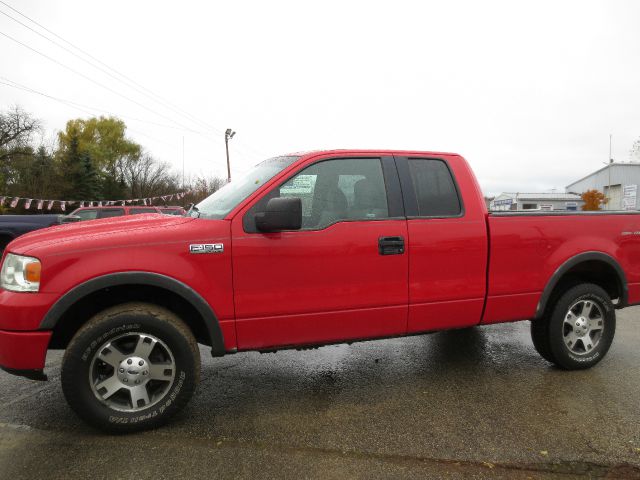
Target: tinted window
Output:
{"points": [[135, 211], [334, 190], [435, 190], [86, 214], [111, 212]]}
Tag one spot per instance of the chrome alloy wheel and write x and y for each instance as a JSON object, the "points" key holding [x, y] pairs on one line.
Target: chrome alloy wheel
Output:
{"points": [[583, 326], [132, 372]]}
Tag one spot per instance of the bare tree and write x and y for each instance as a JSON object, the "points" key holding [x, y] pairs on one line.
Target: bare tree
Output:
{"points": [[146, 177], [206, 186], [17, 128], [201, 188]]}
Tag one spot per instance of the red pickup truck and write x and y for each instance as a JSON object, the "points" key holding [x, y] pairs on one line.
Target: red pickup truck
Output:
{"points": [[304, 250]]}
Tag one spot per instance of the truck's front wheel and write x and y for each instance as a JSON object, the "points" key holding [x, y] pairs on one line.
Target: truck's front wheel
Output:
{"points": [[579, 331], [130, 368]]}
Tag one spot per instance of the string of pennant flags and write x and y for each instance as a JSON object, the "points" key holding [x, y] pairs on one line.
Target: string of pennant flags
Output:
{"points": [[42, 204]]}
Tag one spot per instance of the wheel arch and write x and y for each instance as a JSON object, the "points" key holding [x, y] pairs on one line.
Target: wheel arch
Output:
{"points": [[64, 317], [592, 267]]}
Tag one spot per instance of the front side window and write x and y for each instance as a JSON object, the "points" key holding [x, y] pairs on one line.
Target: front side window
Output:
{"points": [[220, 203], [436, 192], [333, 191]]}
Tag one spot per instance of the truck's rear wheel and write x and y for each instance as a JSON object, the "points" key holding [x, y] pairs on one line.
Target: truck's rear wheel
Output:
{"points": [[539, 336], [579, 330], [130, 368]]}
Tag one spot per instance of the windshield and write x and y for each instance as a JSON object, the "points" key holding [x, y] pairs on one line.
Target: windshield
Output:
{"points": [[221, 202]]}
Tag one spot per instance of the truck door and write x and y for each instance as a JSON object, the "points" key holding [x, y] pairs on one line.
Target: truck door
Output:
{"points": [[447, 243], [342, 276]]}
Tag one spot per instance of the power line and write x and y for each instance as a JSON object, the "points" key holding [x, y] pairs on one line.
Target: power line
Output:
{"points": [[14, 84], [182, 126], [26, 89], [129, 81], [90, 110], [83, 108], [93, 80]]}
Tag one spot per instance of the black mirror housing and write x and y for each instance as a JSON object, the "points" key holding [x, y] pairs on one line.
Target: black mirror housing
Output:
{"points": [[281, 213]]}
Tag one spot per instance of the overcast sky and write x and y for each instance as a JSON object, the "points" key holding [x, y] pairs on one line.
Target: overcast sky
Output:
{"points": [[527, 91]]}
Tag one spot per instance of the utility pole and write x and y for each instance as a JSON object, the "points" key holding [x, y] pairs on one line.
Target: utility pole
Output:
{"points": [[228, 135], [183, 163], [610, 142], [609, 171]]}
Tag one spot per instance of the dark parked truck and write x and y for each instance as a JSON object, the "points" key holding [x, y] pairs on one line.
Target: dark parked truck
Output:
{"points": [[304, 250], [12, 226]]}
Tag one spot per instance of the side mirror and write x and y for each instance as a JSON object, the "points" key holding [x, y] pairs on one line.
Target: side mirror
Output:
{"points": [[70, 219], [281, 213]]}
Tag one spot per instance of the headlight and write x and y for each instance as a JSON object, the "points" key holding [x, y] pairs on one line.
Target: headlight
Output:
{"points": [[20, 274]]}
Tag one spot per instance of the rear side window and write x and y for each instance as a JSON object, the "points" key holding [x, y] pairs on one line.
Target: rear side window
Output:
{"points": [[436, 192], [111, 212], [136, 211]]}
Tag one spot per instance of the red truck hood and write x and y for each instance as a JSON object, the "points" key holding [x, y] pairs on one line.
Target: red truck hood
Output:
{"points": [[92, 233]]}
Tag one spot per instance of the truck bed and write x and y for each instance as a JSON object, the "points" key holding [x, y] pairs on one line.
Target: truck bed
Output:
{"points": [[529, 248]]}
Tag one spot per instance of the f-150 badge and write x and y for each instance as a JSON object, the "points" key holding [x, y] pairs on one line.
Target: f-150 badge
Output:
{"points": [[206, 248]]}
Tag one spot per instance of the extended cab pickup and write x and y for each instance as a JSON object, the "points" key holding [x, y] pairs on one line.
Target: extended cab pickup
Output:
{"points": [[304, 250]]}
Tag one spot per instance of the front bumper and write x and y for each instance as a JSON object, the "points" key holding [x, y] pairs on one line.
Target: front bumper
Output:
{"points": [[24, 353], [24, 311]]}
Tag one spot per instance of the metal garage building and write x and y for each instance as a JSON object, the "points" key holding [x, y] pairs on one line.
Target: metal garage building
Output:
{"points": [[618, 181], [536, 201]]}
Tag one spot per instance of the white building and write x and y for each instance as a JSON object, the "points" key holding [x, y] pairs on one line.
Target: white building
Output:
{"points": [[536, 201], [618, 181]]}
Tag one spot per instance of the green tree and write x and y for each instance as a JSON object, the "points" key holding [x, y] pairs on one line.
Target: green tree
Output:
{"points": [[44, 178], [104, 140], [93, 160], [78, 176], [87, 182]]}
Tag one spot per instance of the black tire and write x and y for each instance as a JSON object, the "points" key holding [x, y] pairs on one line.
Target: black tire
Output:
{"points": [[82, 360], [549, 333], [539, 336]]}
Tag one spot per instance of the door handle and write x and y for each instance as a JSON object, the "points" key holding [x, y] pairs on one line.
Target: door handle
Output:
{"points": [[391, 245]]}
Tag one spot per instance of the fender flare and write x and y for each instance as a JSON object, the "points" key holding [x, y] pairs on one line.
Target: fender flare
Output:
{"points": [[576, 260], [212, 325]]}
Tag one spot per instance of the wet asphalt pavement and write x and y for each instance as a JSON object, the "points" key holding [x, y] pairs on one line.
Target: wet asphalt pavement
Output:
{"points": [[476, 403]]}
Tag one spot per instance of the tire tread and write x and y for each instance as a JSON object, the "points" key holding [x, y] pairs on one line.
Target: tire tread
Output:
{"points": [[70, 384], [553, 349]]}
